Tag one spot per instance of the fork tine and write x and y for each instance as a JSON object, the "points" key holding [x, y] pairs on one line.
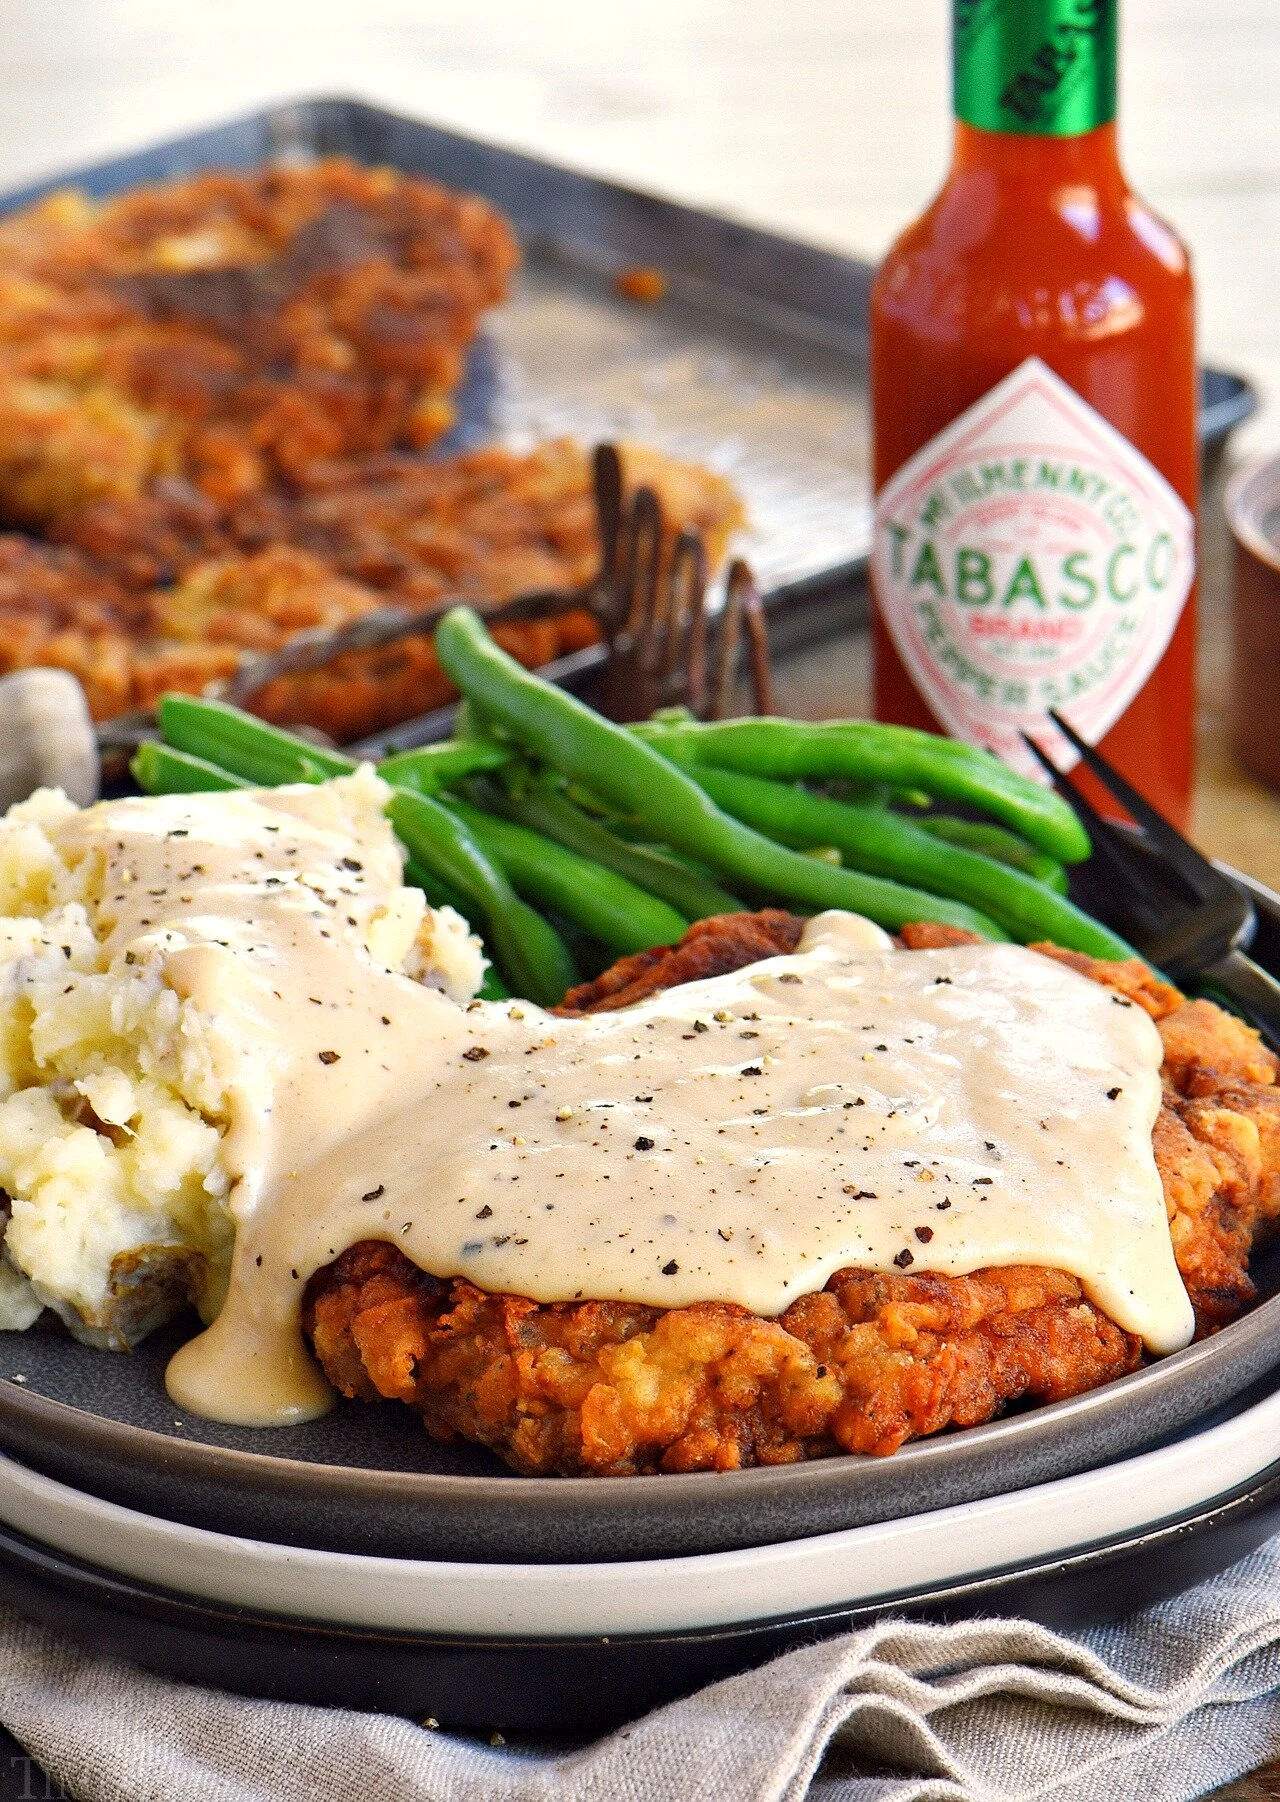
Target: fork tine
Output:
{"points": [[1088, 813], [644, 550], [686, 589], [697, 697], [606, 481], [753, 620], [728, 636], [1196, 871], [607, 595], [1136, 885]]}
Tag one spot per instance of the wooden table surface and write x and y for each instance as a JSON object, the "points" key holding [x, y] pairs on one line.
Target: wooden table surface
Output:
{"points": [[826, 120]]}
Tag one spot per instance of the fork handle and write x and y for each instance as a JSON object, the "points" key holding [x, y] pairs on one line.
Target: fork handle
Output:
{"points": [[1248, 989]]}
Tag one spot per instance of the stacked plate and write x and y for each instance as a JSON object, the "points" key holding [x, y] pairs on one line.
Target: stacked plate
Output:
{"points": [[355, 1561]]}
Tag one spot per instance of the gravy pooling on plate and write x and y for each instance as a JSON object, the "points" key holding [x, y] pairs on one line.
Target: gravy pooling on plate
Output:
{"points": [[737, 1139]]}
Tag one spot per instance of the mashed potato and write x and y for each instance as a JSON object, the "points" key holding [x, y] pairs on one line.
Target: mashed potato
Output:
{"points": [[116, 1089]]}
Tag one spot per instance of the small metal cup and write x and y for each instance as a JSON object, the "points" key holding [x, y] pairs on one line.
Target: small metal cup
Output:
{"points": [[1252, 504]]}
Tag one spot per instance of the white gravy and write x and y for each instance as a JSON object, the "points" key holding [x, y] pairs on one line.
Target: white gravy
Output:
{"points": [[738, 1139]]}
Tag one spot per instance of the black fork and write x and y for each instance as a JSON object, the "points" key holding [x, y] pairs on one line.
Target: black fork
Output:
{"points": [[1173, 905]]}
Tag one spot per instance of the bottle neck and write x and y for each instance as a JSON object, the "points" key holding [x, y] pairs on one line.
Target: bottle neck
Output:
{"points": [[1034, 69], [1087, 158]]}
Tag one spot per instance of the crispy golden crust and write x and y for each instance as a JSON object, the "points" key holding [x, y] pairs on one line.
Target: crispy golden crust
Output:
{"points": [[211, 394], [709, 948], [611, 1389], [873, 1360], [234, 328], [195, 584]]}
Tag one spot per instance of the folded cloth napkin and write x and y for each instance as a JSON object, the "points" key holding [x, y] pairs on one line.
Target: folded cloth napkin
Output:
{"points": [[1158, 1708]]}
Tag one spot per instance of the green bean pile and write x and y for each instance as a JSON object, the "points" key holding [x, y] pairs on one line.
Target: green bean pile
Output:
{"points": [[567, 841]]}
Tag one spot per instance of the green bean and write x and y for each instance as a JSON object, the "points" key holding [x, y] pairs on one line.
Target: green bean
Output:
{"points": [[562, 731], [430, 768], [544, 810], [611, 909], [531, 953], [264, 755], [885, 843], [161, 770], [996, 841], [864, 751], [438, 893]]}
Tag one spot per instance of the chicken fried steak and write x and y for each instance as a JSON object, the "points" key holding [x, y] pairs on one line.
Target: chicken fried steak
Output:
{"points": [[215, 398], [234, 328], [872, 1360]]}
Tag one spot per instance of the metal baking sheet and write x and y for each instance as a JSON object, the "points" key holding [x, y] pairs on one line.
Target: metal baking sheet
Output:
{"points": [[754, 362]]}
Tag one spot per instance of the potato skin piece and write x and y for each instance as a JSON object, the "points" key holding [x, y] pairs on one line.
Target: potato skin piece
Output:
{"points": [[869, 1362]]}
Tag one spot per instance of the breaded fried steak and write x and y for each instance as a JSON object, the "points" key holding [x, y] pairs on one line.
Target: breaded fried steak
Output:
{"points": [[234, 328], [169, 591], [870, 1361]]}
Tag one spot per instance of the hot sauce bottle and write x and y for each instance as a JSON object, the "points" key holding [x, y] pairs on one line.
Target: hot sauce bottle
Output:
{"points": [[1034, 409]]}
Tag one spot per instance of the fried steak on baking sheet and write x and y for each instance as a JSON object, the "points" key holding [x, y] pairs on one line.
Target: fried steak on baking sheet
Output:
{"points": [[233, 329], [215, 394], [869, 1362]]}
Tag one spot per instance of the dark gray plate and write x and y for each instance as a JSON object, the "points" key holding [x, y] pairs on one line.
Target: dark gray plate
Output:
{"points": [[581, 1686], [368, 1479]]}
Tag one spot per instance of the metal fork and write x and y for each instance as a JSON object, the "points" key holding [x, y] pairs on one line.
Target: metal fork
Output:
{"points": [[666, 647], [1174, 906]]}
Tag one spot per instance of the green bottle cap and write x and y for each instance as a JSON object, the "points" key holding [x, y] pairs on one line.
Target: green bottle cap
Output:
{"points": [[1042, 68]]}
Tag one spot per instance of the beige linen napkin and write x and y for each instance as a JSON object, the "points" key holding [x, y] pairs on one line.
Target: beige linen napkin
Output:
{"points": [[1157, 1709]]}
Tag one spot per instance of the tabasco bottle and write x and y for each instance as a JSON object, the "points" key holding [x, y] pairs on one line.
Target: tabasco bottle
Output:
{"points": [[1034, 405]]}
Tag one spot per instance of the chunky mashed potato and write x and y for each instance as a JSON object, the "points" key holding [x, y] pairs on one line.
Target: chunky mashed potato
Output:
{"points": [[116, 1093]]}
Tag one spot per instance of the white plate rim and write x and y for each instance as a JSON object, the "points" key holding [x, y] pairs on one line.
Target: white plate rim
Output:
{"points": [[660, 1595]]}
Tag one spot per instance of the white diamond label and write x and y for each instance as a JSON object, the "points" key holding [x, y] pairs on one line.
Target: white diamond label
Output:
{"points": [[1029, 557]]}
